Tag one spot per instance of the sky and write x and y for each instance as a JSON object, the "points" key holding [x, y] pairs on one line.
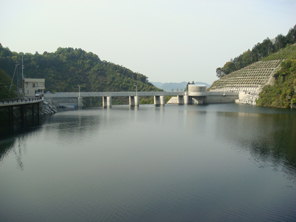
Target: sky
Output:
{"points": [[166, 40]]}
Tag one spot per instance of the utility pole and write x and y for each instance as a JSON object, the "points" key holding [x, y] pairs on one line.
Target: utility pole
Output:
{"points": [[23, 84], [136, 89], [17, 84], [22, 66]]}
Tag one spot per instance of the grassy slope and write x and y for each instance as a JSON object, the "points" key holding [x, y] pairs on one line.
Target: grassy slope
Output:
{"points": [[286, 53]]}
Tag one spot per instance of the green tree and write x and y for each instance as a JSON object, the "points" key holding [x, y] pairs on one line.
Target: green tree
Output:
{"points": [[66, 68]]}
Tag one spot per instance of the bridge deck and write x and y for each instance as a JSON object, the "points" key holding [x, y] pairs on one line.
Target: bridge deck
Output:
{"points": [[141, 93]]}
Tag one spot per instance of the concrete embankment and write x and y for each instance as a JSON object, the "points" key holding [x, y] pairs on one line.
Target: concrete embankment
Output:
{"points": [[48, 108], [248, 81]]}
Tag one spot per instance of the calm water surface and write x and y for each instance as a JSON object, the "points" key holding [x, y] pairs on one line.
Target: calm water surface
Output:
{"points": [[173, 163]]}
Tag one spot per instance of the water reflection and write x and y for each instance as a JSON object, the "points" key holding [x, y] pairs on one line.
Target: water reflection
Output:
{"points": [[77, 123], [16, 144], [171, 163], [270, 138]]}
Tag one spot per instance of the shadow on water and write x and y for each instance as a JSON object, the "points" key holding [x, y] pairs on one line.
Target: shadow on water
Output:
{"points": [[14, 143], [68, 123]]}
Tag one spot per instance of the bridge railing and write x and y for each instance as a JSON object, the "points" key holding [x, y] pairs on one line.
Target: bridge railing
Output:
{"points": [[18, 100], [113, 94], [133, 93]]}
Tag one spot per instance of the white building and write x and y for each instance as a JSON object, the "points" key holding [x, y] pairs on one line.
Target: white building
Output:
{"points": [[32, 86]]}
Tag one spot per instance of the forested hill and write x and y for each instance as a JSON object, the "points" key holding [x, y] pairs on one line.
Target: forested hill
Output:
{"points": [[66, 68], [283, 93], [258, 52], [5, 81]]}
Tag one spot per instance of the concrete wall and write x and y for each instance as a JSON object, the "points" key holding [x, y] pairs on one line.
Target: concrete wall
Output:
{"points": [[196, 88], [220, 99], [64, 101], [173, 100], [210, 99]]}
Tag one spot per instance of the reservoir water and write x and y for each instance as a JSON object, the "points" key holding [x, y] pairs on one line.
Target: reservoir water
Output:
{"points": [[173, 163]]}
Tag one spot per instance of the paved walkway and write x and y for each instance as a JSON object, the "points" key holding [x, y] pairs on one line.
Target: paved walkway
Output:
{"points": [[15, 102]]}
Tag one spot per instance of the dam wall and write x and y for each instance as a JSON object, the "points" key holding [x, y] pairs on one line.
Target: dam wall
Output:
{"points": [[198, 95], [211, 99], [59, 101]]}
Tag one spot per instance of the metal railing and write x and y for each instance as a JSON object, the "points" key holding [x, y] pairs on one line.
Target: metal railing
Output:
{"points": [[18, 100]]}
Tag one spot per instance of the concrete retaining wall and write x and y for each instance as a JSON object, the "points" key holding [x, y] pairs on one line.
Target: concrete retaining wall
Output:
{"points": [[220, 99], [64, 101], [210, 99]]}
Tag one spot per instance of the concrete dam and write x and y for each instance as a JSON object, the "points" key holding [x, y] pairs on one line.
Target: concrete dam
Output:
{"points": [[195, 95], [241, 86]]}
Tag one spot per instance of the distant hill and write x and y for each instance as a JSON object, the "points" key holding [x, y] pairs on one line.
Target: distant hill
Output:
{"points": [[175, 86], [66, 68]]}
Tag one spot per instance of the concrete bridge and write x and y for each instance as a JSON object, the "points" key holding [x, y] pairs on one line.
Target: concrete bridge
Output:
{"points": [[159, 96], [19, 112], [195, 95]]}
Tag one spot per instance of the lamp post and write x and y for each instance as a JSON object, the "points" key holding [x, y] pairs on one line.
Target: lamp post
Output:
{"points": [[136, 89], [79, 90]]}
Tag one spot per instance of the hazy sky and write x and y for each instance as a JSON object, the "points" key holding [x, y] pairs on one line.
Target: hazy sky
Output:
{"points": [[166, 40]]}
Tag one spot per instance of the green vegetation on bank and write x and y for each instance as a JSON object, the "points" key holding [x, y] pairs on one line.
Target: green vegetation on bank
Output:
{"points": [[282, 93], [258, 52], [5, 82], [66, 68], [286, 53]]}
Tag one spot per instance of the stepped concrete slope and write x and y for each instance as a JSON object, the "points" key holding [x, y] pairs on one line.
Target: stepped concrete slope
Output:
{"points": [[248, 81]]}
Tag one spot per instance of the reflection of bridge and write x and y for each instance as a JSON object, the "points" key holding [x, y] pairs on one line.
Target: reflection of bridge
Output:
{"points": [[196, 94]]}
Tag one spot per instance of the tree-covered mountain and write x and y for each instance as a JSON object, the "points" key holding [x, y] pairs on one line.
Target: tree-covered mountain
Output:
{"points": [[66, 68], [258, 52]]}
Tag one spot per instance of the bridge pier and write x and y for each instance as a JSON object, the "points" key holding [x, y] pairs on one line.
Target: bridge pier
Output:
{"points": [[180, 100], [107, 101], [187, 99], [159, 100], [10, 120], [133, 100]]}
